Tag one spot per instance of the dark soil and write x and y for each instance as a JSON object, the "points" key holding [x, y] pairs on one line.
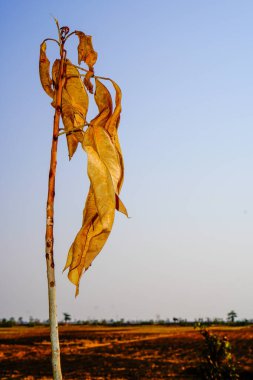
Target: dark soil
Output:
{"points": [[126, 353]]}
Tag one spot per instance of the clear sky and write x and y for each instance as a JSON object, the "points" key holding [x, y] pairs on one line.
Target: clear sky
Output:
{"points": [[185, 69]]}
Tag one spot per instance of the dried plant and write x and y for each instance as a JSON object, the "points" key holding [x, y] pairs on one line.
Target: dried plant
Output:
{"points": [[69, 87]]}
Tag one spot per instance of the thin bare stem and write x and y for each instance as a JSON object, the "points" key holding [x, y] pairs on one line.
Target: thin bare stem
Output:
{"points": [[70, 34], [73, 131], [54, 334], [58, 28], [81, 68], [94, 76], [83, 75], [51, 39]]}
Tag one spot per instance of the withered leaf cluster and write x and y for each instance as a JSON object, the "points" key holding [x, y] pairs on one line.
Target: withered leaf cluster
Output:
{"points": [[100, 141]]}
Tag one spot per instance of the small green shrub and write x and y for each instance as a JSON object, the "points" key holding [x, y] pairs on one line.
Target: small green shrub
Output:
{"points": [[218, 363]]}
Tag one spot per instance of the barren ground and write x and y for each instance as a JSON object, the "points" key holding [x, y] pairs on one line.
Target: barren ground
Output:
{"points": [[116, 353]]}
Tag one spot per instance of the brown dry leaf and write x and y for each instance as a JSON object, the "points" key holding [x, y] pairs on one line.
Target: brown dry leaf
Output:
{"points": [[107, 144], [98, 215], [108, 154], [104, 102], [120, 206], [44, 66], [105, 174], [86, 53], [102, 186], [76, 251], [113, 123], [74, 104], [112, 128], [87, 81]]}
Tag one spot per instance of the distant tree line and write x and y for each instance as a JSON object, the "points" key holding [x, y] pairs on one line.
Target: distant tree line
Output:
{"points": [[11, 322], [231, 320]]}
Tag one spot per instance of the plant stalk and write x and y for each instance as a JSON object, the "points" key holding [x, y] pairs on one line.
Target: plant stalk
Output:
{"points": [[54, 334]]}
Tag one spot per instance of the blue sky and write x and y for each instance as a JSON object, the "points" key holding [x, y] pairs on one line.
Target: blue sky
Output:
{"points": [[185, 69]]}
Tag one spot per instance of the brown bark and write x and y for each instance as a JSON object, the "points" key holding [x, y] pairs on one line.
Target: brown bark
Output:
{"points": [[54, 335]]}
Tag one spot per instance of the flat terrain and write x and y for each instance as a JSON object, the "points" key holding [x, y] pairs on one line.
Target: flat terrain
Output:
{"points": [[110, 353]]}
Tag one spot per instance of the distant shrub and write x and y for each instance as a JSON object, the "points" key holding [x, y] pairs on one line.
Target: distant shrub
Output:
{"points": [[219, 363], [7, 322]]}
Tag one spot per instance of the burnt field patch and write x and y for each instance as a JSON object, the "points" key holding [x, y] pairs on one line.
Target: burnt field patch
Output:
{"points": [[118, 353]]}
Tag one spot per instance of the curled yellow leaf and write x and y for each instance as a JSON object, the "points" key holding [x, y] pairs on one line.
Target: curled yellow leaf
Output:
{"points": [[106, 172], [106, 138], [98, 216], [112, 125], [104, 102], [44, 69]]}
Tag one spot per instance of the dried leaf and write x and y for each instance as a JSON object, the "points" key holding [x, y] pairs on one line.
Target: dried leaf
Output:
{"points": [[104, 102], [92, 55], [74, 104], [108, 154], [110, 157], [102, 186], [113, 123], [44, 66], [108, 146], [87, 81], [86, 53], [112, 128], [76, 251], [120, 206], [105, 171], [98, 216]]}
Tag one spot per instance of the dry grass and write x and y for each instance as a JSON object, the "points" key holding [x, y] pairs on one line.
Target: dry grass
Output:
{"points": [[104, 353]]}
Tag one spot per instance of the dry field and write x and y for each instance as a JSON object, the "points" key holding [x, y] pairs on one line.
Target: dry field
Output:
{"points": [[110, 353]]}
